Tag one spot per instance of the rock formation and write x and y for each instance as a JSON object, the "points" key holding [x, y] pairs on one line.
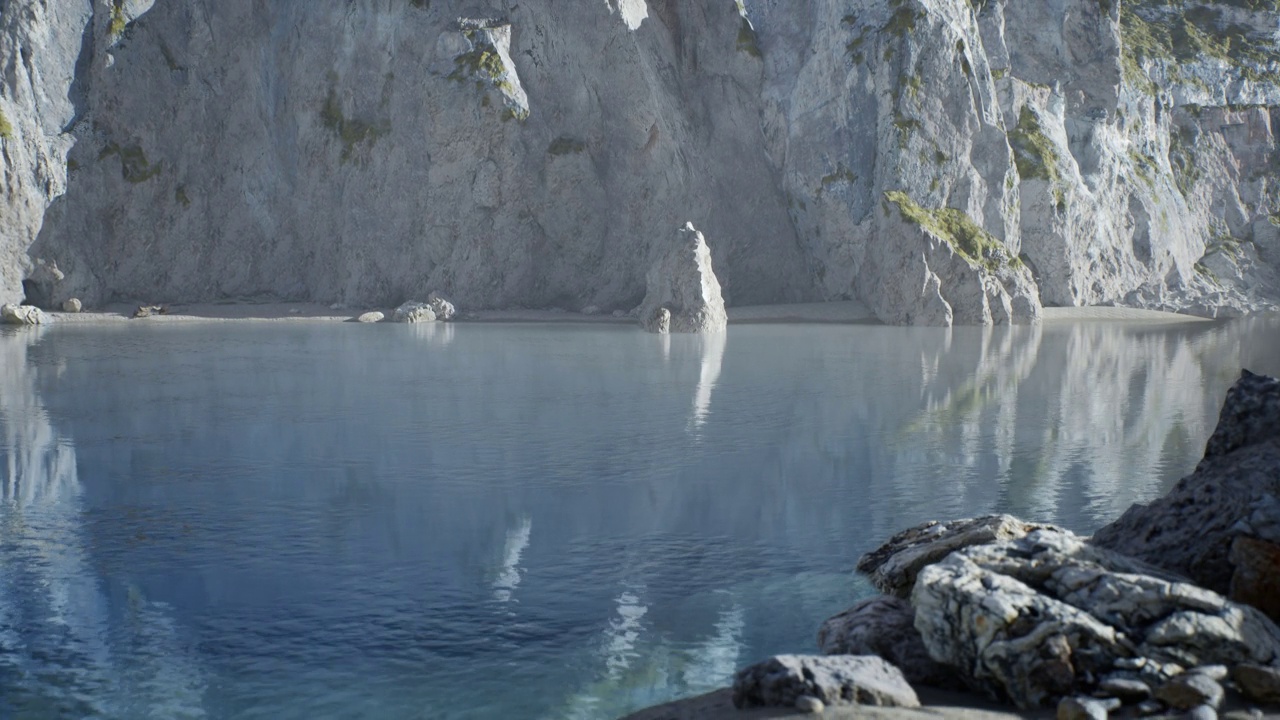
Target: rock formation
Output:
{"points": [[414, 312], [945, 161], [21, 315], [683, 292], [1220, 526], [783, 680]]}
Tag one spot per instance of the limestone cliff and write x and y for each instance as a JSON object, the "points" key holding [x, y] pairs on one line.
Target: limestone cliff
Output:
{"points": [[946, 161]]}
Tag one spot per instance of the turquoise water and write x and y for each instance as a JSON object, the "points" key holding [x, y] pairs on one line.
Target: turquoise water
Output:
{"points": [[292, 520]]}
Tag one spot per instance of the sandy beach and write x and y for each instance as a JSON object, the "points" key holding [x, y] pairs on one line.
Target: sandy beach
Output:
{"points": [[835, 313]]}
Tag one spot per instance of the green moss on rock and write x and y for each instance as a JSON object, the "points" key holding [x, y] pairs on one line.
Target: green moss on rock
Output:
{"points": [[6, 129], [566, 146], [1033, 151], [956, 228]]}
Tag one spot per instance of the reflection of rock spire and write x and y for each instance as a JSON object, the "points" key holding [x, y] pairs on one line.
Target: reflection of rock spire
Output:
{"points": [[713, 664], [509, 576], [49, 587], [712, 347], [623, 633]]}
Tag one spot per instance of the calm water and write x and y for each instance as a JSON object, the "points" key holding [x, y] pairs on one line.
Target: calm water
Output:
{"points": [[489, 521]]}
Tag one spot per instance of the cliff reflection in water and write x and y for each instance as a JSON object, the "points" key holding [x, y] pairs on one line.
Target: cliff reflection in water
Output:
{"points": [[301, 520]]}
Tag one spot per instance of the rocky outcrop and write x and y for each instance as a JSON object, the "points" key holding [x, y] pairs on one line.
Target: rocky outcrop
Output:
{"points": [[443, 309], [1047, 615], [21, 315], [893, 566], [681, 282], [834, 681], [1233, 495]]}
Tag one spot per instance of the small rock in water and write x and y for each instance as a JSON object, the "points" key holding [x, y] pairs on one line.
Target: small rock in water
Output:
{"points": [[1081, 708], [72, 305], [809, 704], [441, 306], [1258, 682], [371, 317], [1201, 712], [1125, 690], [1189, 690]]}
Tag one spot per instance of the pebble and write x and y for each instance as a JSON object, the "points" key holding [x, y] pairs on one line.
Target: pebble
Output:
{"points": [[1082, 708], [1124, 689], [1217, 673], [1201, 712], [809, 704], [1150, 707], [1188, 690], [1258, 683]]}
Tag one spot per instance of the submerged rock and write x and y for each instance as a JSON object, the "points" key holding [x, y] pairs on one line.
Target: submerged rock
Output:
{"points": [[414, 312], [1233, 494], [21, 315], [1043, 616], [834, 680], [682, 282]]}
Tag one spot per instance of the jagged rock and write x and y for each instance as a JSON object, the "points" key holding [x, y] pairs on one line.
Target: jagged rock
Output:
{"points": [[682, 281], [884, 625], [659, 322], [1233, 493], [1039, 617], [1084, 708], [414, 312], [1126, 690], [149, 310], [1190, 690], [21, 315], [893, 566], [1256, 578], [72, 305], [441, 306], [1259, 683], [371, 317], [835, 680]]}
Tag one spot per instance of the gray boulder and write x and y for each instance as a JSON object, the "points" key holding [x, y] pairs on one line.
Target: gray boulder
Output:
{"points": [[682, 282], [893, 566], [1191, 690], [1043, 616], [441, 306], [1233, 493], [371, 317], [414, 312], [21, 315], [1084, 708], [72, 305], [885, 626], [834, 680], [1258, 682]]}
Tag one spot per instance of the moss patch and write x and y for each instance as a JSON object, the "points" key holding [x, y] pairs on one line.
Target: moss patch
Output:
{"points": [[6, 129], [117, 23], [1182, 158], [350, 131], [180, 195], [566, 146], [842, 174], [747, 40], [975, 245], [1033, 151], [134, 166]]}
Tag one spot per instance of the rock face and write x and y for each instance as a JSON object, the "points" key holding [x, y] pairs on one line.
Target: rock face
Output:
{"points": [[835, 680], [945, 161], [884, 626], [1043, 616], [682, 282], [1233, 495], [21, 315]]}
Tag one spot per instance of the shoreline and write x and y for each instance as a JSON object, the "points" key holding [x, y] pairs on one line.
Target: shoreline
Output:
{"points": [[847, 312]]}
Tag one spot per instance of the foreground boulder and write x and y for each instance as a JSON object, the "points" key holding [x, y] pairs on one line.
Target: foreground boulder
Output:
{"points": [[1047, 615], [893, 567], [835, 680], [682, 282], [884, 626], [1220, 526], [21, 315]]}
